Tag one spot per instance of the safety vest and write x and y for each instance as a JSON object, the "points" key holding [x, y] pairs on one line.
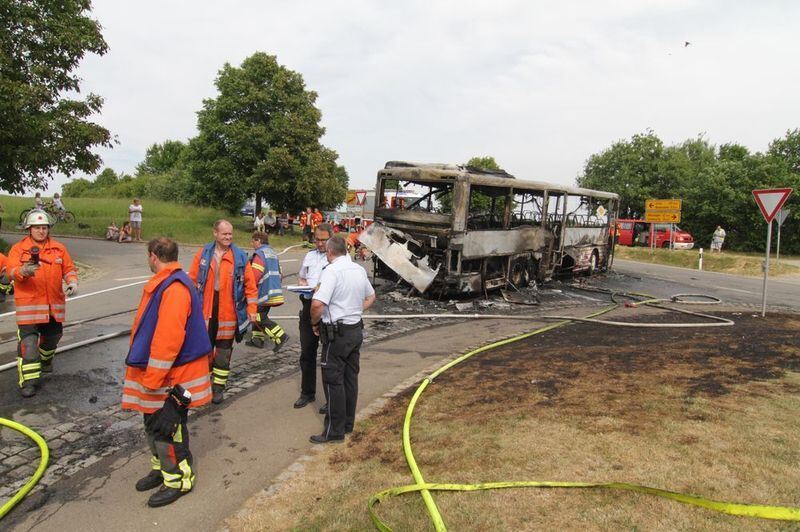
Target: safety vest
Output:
{"points": [[239, 299], [195, 344], [269, 286]]}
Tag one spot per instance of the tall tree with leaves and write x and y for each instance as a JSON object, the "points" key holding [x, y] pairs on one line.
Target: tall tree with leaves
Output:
{"points": [[261, 137], [44, 128], [161, 158]]}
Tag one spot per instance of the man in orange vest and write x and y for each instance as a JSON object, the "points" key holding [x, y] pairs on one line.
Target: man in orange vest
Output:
{"points": [[167, 371], [316, 219], [39, 265], [227, 287], [306, 218]]}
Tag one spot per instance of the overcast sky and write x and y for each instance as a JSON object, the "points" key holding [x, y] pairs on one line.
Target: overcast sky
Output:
{"points": [[538, 85]]}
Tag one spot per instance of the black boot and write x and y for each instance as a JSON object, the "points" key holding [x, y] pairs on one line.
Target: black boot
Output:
{"points": [[47, 366], [303, 401], [255, 342], [217, 393], [279, 346], [153, 480], [165, 496], [28, 389]]}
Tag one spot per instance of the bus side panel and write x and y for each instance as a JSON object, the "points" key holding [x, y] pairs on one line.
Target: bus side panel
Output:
{"points": [[479, 244]]}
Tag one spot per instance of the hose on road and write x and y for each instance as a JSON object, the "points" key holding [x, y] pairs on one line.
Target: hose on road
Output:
{"points": [[45, 457]]}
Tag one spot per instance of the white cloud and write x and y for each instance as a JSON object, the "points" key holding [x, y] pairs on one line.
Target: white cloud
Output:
{"points": [[538, 85]]}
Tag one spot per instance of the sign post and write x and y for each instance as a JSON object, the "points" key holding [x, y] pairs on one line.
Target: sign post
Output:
{"points": [[662, 211], [770, 202]]}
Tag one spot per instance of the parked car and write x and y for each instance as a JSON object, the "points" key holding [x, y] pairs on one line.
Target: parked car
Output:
{"points": [[249, 209], [640, 233]]}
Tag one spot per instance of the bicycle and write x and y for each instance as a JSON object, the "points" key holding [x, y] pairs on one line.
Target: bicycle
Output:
{"points": [[55, 215]]}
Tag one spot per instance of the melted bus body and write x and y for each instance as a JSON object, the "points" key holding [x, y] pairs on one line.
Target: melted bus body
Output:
{"points": [[471, 230]]}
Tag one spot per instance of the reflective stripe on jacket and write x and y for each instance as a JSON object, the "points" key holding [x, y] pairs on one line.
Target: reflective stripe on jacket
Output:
{"points": [[238, 293], [145, 389], [267, 272], [41, 296]]}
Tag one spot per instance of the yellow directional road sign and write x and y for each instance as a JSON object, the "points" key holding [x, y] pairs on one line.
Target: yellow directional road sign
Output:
{"points": [[669, 217], [662, 205]]}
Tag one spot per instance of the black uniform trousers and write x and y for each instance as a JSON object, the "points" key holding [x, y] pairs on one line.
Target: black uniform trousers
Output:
{"points": [[341, 353], [309, 343]]}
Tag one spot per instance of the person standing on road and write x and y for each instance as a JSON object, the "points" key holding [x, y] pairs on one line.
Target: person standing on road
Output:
{"points": [[310, 271], [167, 371], [39, 265], [718, 239], [344, 293], [6, 285], [135, 212], [228, 290], [267, 273]]}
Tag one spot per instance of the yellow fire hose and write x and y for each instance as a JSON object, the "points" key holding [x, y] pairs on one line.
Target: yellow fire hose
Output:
{"points": [[785, 513], [39, 470]]}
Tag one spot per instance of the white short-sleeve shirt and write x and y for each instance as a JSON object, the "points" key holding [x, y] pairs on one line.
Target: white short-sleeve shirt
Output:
{"points": [[136, 212], [312, 266], [343, 287]]}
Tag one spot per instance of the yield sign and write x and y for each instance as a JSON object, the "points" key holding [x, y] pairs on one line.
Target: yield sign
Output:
{"points": [[361, 195], [770, 201]]}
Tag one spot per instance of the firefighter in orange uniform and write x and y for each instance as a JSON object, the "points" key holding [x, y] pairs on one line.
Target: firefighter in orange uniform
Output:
{"points": [[306, 218], [316, 219], [39, 265], [167, 371], [227, 287]]}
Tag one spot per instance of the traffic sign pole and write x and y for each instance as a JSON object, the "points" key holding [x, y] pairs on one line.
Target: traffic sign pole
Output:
{"points": [[778, 248], [766, 272]]}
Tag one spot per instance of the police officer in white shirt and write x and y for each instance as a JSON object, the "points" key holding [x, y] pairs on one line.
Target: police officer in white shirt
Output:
{"points": [[344, 293], [313, 263]]}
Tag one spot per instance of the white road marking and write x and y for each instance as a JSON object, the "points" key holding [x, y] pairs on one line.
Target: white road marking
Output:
{"points": [[133, 278], [90, 294]]}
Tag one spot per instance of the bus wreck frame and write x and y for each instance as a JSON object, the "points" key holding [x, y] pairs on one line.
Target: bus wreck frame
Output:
{"points": [[472, 230]]}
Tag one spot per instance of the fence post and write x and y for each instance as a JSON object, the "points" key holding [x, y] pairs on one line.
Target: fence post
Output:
{"points": [[700, 264]]}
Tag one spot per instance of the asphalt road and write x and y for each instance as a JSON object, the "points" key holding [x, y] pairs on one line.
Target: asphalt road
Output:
{"points": [[782, 292]]}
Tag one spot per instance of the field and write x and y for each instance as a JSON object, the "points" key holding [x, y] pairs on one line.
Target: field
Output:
{"points": [[712, 412], [185, 223], [725, 262]]}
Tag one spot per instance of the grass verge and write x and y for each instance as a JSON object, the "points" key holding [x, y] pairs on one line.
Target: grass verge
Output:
{"points": [[710, 412], [725, 262], [184, 223]]}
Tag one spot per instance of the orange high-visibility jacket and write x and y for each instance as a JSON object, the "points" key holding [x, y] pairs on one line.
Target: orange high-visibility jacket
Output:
{"points": [[145, 390], [316, 219], [303, 219], [3, 261], [41, 296], [227, 312]]}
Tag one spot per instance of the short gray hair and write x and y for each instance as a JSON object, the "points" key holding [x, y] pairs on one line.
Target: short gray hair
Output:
{"points": [[336, 245]]}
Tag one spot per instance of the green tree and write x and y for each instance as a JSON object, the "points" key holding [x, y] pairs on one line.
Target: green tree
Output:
{"points": [[787, 149], [161, 158], [261, 137], [484, 163], [633, 169], [106, 179], [44, 128]]}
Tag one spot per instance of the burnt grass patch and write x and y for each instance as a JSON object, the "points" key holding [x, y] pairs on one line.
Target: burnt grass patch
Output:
{"points": [[585, 373]]}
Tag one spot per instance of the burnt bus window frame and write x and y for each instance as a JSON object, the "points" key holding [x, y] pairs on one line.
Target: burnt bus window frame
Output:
{"points": [[435, 192], [494, 216]]}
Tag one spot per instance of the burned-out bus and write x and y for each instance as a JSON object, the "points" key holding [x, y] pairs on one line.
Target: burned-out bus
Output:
{"points": [[472, 230]]}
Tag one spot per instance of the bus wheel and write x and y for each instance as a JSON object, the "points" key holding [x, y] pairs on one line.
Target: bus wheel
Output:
{"points": [[519, 273]]}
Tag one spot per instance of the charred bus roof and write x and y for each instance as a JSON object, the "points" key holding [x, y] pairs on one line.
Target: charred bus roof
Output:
{"points": [[406, 171]]}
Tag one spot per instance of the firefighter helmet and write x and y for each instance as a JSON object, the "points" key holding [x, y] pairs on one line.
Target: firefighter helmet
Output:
{"points": [[37, 217]]}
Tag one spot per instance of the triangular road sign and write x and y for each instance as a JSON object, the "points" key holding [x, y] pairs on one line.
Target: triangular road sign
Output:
{"points": [[361, 195], [770, 201]]}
